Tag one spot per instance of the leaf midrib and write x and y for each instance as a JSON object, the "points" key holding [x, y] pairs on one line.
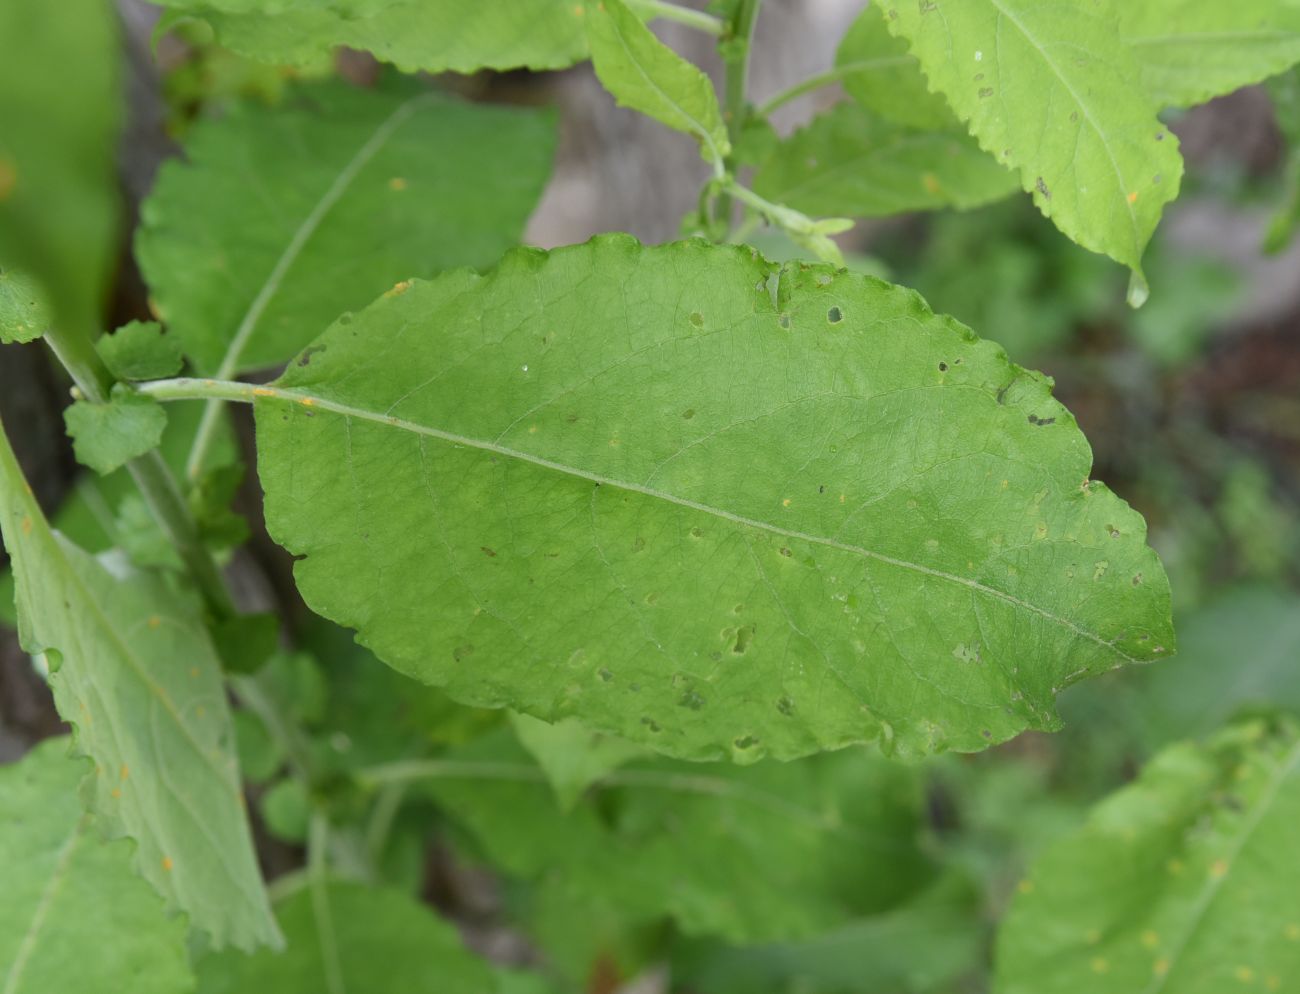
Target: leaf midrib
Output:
{"points": [[316, 402], [48, 893]]}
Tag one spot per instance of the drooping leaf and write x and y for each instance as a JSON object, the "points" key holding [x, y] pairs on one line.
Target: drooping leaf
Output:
{"points": [[133, 671], [74, 916], [765, 852], [1192, 50], [1182, 883], [343, 937], [58, 178], [107, 436], [572, 756], [140, 351], [886, 79], [24, 312], [848, 162], [1051, 91], [706, 503], [415, 35], [646, 75], [281, 219]]}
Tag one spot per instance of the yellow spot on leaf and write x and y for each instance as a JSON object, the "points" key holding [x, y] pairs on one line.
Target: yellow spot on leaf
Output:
{"points": [[399, 289], [1100, 964], [1150, 939], [116, 792], [843, 498], [614, 443], [786, 502], [167, 863], [1272, 982], [1174, 866], [1132, 197], [1160, 967], [124, 772], [1293, 931], [1025, 887], [27, 525], [194, 672], [8, 179], [1219, 869], [533, 429], [263, 392], [397, 184], [155, 621], [1244, 973], [307, 401], [931, 183]]}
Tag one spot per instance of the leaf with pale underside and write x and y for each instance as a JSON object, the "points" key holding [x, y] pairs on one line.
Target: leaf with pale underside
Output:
{"points": [[848, 162], [646, 75], [281, 219], [1184, 882], [885, 78], [706, 503], [416, 35], [1193, 50], [1051, 91], [74, 915], [133, 670]]}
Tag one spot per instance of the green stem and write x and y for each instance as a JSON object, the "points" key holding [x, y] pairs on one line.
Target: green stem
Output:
{"points": [[318, 877], [682, 15], [735, 48], [825, 79], [151, 475]]}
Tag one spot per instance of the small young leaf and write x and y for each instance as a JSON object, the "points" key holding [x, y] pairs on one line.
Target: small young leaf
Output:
{"points": [[886, 79], [24, 313], [281, 219], [133, 670], [74, 915], [107, 436], [1051, 91], [847, 161], [1193, 50], [140, 351], [1180, 883], [646, 75], [286, 810], [572, 756], [887, 534], [342, 937]]}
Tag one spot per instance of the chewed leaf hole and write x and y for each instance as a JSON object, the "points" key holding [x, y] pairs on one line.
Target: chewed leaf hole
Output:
{"points": [[835, 315]]}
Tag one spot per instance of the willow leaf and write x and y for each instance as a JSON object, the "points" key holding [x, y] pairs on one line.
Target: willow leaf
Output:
{"points": [[1193, 50], [704, 502], [280, 219], [75, 917], [133, 670], [846, 162], [1051, 91], [1182, 883]]}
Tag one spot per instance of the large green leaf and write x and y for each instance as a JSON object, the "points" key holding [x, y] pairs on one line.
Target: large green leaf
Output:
{"points": [[1192, 50], [74, 917], [283, 218], [58, 179], [646, 75], [849, 162], [428, 35], [883, 77], [705, 502], [1183, 883], [133, 670], [765, 852], [343, 938], [1051, 91]]}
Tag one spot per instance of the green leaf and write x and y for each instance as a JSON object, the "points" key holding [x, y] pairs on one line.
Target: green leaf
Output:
{"points": [[140, 351], [341, 937], [848, 162], [1052, 92], [1180, 883], [286, 810], [59, 206], [1285, 91], [281, 219], [415, 35], [572, 756], [132, 669], [885, 79], [75, 917], [1193, 50], [646, 75], [107, 436], [763, 852], [706, 503], [24, 312]]}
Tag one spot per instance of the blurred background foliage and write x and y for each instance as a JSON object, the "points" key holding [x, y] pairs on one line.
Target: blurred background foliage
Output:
{"points": [[1192, 405]]}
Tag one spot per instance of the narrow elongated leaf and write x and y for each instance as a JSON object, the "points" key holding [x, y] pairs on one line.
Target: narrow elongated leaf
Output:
{"points": [[74, 916], [766, 852], [429, 35], [886, 79], [1183, 883], [134, 672], [281, 219], [1192, 50], [848, 162], [705, 502], [1051, 91], [340, 937], [646, 75]]}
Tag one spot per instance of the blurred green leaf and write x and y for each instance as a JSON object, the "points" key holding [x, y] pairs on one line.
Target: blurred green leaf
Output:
{"points": [[24, 313], [886, 79], [572, 756]]}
